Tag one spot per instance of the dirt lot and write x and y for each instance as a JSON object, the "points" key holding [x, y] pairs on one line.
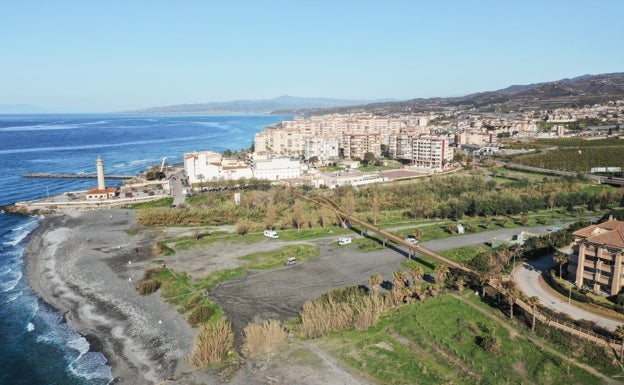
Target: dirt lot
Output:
{"points": [[279, 294]]}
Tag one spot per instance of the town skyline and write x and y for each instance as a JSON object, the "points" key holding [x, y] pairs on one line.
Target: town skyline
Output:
{"points": [[71, 57]]}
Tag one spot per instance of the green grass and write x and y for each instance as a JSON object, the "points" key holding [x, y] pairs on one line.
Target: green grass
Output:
{"points": [[164, 202], [464, 254], [276, 258], [435, 342], [179, 289]]}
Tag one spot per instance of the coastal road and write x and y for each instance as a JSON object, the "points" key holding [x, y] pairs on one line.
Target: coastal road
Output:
{"points": [[528, 278], [177, 191]]}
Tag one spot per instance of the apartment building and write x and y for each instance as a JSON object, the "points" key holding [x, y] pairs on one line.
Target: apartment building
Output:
{"points": [[431, 152], [324, 148], [596, 257], [209, 166]]}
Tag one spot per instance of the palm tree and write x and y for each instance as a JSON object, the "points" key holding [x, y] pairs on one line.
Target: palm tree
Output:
{"points": [[460, 283], [441, 272], [533, 302], [561, 259], [484, 279], [399, 278], [417, 273], [619, 331], [512, 294], [419, 293], [375, 282]]}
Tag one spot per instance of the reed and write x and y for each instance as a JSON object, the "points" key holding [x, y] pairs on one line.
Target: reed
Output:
{"points": [[212, 344]]}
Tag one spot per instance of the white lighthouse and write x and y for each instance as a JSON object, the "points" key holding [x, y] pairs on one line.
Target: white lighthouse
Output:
{"points": [[100, 173], [101, 192]]}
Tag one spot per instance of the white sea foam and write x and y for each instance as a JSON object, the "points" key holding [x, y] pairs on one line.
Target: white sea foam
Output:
{"points": [[30, 327], [106, 145], [89, 365], [10, 281]]}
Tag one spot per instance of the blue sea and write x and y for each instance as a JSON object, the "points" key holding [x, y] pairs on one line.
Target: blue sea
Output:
{"points": [[36, 345]]}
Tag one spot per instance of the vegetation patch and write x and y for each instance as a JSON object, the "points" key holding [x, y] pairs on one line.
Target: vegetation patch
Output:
{"points": [[213, 344], [442, 340], [276, 258], [164, 202], [265, 337]]}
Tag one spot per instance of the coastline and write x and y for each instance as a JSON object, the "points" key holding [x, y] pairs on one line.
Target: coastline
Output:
{"points": [[86, 265]]}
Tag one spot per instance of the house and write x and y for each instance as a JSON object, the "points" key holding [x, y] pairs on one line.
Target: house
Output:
{"points": [[101, 194], [596, 257]]}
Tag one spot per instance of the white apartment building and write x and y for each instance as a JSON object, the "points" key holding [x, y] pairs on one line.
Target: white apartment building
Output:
{"points": [[209, 166], [324, 148], [433, 153], [276, 168]]}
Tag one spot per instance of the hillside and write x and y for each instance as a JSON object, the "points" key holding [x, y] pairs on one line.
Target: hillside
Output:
{"points": [[578, 91], [281, 103]]}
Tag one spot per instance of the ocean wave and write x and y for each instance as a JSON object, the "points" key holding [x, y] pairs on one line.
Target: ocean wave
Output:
{"points": [[41, 127], [14, 296], [106, 145], [10, 281], [89, 365]]}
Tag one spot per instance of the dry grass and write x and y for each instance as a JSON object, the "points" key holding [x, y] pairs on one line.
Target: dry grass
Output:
{"points": [[212, 344], [265, 337], [340, 309]]}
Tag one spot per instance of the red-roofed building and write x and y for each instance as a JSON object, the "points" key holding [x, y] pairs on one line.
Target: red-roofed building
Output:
{"points": [[95, 193], [597, 257]]}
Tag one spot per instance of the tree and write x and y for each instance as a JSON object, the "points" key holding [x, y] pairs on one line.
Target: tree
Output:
{"points": [[619, 331], [399, 278], [533, 302], [270, 215], [561, 259], [417, 273], [368, 158], [441, 272], [511, 293], [375, 282], [297, 214], [313, 160]]}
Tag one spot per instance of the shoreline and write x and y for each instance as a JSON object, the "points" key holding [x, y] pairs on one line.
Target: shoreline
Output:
{"points": [[86, 265]]}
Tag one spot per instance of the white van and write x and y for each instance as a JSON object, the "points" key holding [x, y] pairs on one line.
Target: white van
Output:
{"points": [[344, 241], [271, 234]]}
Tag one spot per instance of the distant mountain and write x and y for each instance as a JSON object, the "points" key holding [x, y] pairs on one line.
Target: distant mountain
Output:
{"points": [[578, 91], [283, 104], [21, 109]]}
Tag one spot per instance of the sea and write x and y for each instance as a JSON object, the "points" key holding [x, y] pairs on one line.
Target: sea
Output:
{"points": [[36, 344]]}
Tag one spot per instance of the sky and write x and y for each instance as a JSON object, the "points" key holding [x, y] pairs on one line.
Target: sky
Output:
{"points": [[116, 55]]}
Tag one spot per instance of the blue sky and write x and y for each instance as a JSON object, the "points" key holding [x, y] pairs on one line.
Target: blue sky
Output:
{"points": [[103, 56]]}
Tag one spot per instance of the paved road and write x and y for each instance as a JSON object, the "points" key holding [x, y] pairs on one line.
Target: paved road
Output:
{"points": [[481, 238], [177, 191], [527, 278]]}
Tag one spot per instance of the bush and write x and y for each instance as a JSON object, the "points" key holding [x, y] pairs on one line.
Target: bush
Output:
{"points": [[202, 313], [212, 344], [265, 337], [148, 287]]}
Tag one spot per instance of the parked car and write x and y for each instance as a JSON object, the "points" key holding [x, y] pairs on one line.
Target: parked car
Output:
{"points": [[411, 239], [344, 241], [271, 234], [290, 261]]}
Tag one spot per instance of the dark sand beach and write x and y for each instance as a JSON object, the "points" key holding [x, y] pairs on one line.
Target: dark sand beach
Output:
{"points": [[87, 265]]}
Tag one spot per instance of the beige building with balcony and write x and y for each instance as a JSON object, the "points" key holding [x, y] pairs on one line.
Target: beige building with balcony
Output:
{"points": [[596, 257]]}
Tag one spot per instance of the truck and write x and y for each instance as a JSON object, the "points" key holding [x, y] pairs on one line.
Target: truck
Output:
{"points": [[271, 234]]}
